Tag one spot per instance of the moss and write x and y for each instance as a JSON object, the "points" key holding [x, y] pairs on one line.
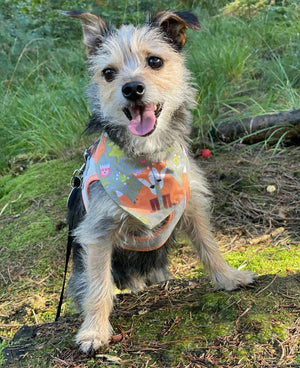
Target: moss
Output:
{"points": [[33, 229], [262, 259], [265, 327], [34, 226], [36, 183], [33, 202], [182, 324], [268, 259]]}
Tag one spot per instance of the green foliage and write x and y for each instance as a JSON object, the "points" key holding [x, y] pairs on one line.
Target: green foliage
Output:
{"points": [[241, 66]]}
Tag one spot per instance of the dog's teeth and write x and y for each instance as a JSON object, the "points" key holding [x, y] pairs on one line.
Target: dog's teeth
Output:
{"points": [[155, 107]]}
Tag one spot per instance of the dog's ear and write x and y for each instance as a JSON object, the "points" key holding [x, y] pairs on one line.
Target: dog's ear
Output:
{"points": [[94, 29], [174, 25]]}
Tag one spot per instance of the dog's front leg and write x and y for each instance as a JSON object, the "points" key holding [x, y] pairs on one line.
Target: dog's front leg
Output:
{"points": [[198, 226], [96, 329]]}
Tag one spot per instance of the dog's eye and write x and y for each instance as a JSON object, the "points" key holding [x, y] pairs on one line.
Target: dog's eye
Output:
{"points": [[155, 62], [109, 74]]}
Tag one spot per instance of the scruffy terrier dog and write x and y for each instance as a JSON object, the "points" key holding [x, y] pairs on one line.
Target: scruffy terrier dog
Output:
{"points": [[139, 184]]}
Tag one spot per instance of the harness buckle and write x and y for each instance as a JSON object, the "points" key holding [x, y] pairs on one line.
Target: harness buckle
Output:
{"points": [[75, 182], [76, 179]]}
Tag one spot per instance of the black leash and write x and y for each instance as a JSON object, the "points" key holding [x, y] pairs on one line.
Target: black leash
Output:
{"points": [[76, 185], [68, 253]]}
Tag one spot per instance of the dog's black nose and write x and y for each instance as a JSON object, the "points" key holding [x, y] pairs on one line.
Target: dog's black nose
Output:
{"points": [[133, 91]]}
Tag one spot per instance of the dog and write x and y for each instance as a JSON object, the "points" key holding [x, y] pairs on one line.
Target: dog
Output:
{"points": [[140, 184]]}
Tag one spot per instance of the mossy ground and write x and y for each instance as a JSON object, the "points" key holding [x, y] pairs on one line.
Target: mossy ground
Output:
{"points": [[33, 233], [178, 324]]}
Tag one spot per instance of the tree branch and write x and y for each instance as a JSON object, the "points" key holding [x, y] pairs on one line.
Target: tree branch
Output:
{"points": [[272, 127]]}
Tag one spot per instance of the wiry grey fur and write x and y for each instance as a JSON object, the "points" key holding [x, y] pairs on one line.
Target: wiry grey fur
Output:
{"points": [[98, 260]]}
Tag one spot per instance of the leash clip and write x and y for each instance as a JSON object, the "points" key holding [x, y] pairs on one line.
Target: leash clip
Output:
{"points": [[76, 179]]}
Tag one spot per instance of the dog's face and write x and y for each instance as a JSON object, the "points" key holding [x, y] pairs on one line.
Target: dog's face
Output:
{"points": [[138, 73], [140, 77]]}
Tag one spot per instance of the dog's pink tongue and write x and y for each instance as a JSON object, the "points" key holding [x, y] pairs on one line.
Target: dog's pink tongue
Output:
{"points": [[143, 120]]}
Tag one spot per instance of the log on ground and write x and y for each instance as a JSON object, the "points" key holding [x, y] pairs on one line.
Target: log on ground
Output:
{"points": [[271, 127]]}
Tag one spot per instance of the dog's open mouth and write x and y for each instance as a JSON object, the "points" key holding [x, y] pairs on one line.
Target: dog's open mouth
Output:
{"points": [[142, 118]]}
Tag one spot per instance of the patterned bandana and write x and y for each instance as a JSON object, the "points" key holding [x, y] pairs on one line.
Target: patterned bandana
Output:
{"points": [[149, 191]]}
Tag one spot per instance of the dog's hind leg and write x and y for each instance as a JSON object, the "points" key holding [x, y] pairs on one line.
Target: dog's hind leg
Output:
{"points": [[96, 329], [197, 225]]}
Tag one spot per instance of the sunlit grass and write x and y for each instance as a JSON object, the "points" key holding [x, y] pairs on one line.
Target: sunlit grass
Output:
{"points": [[241, 67], [244, 67], [44, 108]]}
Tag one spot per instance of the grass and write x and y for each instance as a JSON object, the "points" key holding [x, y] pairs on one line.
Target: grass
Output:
{"points": [[44, 111], [242, 67]]}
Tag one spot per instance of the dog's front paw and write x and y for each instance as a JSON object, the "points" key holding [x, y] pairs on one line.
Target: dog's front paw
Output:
{"points": [[232, 279], [91, 340]]}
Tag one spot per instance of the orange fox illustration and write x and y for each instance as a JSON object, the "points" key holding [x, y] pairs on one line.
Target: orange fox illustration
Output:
{"points": [[155, 178]]}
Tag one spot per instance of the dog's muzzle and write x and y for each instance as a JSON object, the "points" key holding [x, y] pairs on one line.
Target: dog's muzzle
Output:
{"points": [[142, 117]]}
